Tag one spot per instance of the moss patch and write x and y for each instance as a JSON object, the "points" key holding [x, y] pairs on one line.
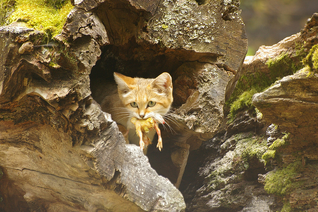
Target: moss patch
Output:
{"points": [[216, 181], [268, 155], [6, 7], [282, 181], [243, 101], [237, 161], [252, 83], [279, 142], [311, 60], [271, 152], [282, 65], [43, 15], [286, 208], [253, 147]]}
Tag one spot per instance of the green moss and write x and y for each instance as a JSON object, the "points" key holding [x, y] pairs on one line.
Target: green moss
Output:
{"points": [[215, 181], [6, 7], [54, 64], [286, 208], [282, 65], [254, 147], [279, 142], [311, 60], [315, 58], [43, 15], [243, 101], [271, 152], [268, 155], [281, 181], [300, 50], [252, 83]]}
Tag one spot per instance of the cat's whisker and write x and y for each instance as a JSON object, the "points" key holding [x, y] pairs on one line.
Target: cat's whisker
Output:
{"points": [[121, 109], [122, 118], [122, 114], [167, 120], [165, 128], [169, 128], [172, 120]]}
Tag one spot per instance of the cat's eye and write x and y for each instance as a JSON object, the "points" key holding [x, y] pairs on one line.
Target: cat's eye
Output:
{"points": [[151, 103], [134, 104]]}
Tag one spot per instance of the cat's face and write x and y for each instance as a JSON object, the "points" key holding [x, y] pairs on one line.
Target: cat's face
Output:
{"points": [[145, 98]]}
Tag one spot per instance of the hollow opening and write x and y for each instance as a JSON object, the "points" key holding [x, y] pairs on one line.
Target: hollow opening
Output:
{"points": [[200, 2], [135, 60], [256, 167]]}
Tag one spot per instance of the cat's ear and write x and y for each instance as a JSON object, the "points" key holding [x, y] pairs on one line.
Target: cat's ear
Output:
{"points": [[124, 83], [163, 83]]}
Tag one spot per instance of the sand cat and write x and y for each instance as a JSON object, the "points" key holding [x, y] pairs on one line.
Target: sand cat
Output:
{"points": [[140, 98]]}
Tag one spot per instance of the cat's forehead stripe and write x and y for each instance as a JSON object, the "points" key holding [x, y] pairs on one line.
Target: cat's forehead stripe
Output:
{"points": [[126, 94]]}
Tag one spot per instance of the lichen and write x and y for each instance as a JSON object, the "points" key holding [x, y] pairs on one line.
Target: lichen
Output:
{"points": [[180, 20], [48, 16], [282, 181]]}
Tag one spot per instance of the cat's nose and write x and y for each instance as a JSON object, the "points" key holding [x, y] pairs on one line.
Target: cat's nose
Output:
{"points": [[141, 116]]}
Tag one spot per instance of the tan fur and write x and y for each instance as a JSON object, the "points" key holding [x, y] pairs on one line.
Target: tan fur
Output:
{"points": [[141, 91]]}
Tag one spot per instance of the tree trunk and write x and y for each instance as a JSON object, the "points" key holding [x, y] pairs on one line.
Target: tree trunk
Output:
{"points": [[61, 152]]}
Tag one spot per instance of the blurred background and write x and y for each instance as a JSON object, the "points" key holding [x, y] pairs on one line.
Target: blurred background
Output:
{"points": [[269, 21]]}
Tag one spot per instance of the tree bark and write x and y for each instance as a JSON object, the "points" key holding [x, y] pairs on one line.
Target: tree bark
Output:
{"points": [[61, 152]]}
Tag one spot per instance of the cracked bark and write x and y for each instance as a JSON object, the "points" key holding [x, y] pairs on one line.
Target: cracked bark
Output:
{"points": [[51, 122]]}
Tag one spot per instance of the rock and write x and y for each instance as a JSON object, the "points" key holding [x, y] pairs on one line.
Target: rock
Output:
{"points": [[227, 180], [291, 98], [230, 168], [244, 122], [200, 28], [291, 103], [200, 90], [273, 132]]}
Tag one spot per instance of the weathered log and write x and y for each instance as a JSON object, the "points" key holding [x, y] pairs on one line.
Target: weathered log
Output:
{"points": [[60, 151]]}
